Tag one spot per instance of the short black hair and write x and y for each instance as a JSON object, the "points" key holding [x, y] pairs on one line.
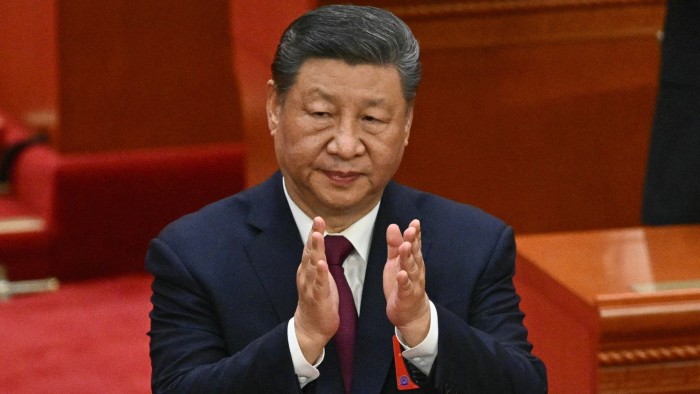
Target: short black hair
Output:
{"points": [[354, 34]]}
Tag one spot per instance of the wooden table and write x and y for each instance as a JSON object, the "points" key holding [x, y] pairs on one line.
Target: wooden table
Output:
{"points": [[614, 311]]}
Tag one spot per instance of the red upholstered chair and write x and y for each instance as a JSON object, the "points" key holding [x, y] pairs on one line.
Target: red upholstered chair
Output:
{"points": [[79, 216], [108, 206], [24, 237]]}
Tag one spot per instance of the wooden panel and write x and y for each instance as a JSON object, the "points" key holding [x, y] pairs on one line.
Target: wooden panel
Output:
{"points": [[556, 320], [145, 74], [645, 339], [677, 378], [536, 111], [28, 69], [613, 261]]}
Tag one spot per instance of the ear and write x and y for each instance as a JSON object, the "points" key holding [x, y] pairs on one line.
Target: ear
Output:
{"points": [[407, 125], [273, 107]]}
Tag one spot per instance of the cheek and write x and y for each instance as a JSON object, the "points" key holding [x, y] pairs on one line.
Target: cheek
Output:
{"points": [[302, 148], [387, 150], [385, 162]]}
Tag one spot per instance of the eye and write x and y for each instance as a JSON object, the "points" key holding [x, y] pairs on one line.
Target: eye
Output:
{"points": [[319, 114], [370, 118]]}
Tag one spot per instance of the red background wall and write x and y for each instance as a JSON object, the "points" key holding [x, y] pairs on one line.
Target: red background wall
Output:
{"points": [[28, 52], [538, 112]]}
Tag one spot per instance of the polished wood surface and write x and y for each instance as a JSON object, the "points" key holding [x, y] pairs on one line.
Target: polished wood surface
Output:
{"points": [[613, 261], [620, 307]]}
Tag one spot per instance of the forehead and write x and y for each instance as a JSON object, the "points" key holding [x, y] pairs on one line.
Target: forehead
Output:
{"points": [[329, 78]]}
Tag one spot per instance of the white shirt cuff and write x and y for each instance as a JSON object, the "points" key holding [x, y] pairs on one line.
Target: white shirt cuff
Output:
{"points": [[423, 355], [305, 372]]}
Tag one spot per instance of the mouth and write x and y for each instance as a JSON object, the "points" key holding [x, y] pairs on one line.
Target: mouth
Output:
{"points": [[342, 177]]}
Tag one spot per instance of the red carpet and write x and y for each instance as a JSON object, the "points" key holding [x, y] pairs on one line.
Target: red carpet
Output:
{"points": [[88, 337]]}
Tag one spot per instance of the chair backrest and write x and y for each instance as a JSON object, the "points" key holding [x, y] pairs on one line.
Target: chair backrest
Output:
{"points": [[108, 206]]}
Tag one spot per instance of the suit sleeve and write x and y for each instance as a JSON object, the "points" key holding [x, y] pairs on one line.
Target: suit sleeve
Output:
{"points": [[188, 349], [490, 353]]}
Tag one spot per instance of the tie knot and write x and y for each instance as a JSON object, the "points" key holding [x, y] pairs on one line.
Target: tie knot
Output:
{"points": [[337, 249]]}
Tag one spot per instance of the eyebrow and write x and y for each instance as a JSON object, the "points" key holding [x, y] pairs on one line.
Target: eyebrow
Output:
{"points": [[372, 102]]}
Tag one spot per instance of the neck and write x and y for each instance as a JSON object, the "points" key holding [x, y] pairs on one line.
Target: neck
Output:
{"points": [[336, 219], [337, 222]]}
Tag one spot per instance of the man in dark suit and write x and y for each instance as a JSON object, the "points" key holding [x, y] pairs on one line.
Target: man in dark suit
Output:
{"points": [[244, 297], [672, 185]]}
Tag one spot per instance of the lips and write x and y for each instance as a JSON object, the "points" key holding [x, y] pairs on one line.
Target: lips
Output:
{"points": [[341, 177]]}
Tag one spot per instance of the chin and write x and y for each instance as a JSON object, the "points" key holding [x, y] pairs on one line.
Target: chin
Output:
{"points": [[339, 203]]}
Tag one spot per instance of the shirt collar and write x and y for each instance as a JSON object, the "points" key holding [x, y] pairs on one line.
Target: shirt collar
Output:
{"points": [[359, 233]]}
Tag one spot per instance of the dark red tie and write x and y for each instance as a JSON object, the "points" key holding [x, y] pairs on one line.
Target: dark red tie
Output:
{"points": [[337, 250]]}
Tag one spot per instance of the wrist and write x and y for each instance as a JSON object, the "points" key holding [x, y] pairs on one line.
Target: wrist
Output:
{"points": [[311, 345], [417, 330]]}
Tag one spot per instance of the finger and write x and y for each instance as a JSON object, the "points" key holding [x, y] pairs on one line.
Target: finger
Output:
{"points": [[315, 240], [410, 234], [405, 285], [321, 282], [393, 240], [413, 235], [416, 224], [313, 252], [315, 279], [408, 262], [318, 244], [317, 226], [318, 249]]}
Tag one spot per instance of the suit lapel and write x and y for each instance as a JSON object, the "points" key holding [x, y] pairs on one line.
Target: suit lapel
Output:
{"points": [[276, 250]]}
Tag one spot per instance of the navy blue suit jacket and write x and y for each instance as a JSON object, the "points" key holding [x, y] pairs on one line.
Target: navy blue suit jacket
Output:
{"points": [[225, 289]]}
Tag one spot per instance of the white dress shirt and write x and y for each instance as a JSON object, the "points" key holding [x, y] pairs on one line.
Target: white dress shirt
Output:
{"points": [[360, 236]]}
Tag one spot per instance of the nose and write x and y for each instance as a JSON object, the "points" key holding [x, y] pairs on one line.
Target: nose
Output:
{"points": [[346, 141]]}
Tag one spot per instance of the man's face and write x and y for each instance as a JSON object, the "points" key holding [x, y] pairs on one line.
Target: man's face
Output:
{"points": [[339, 135]]}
